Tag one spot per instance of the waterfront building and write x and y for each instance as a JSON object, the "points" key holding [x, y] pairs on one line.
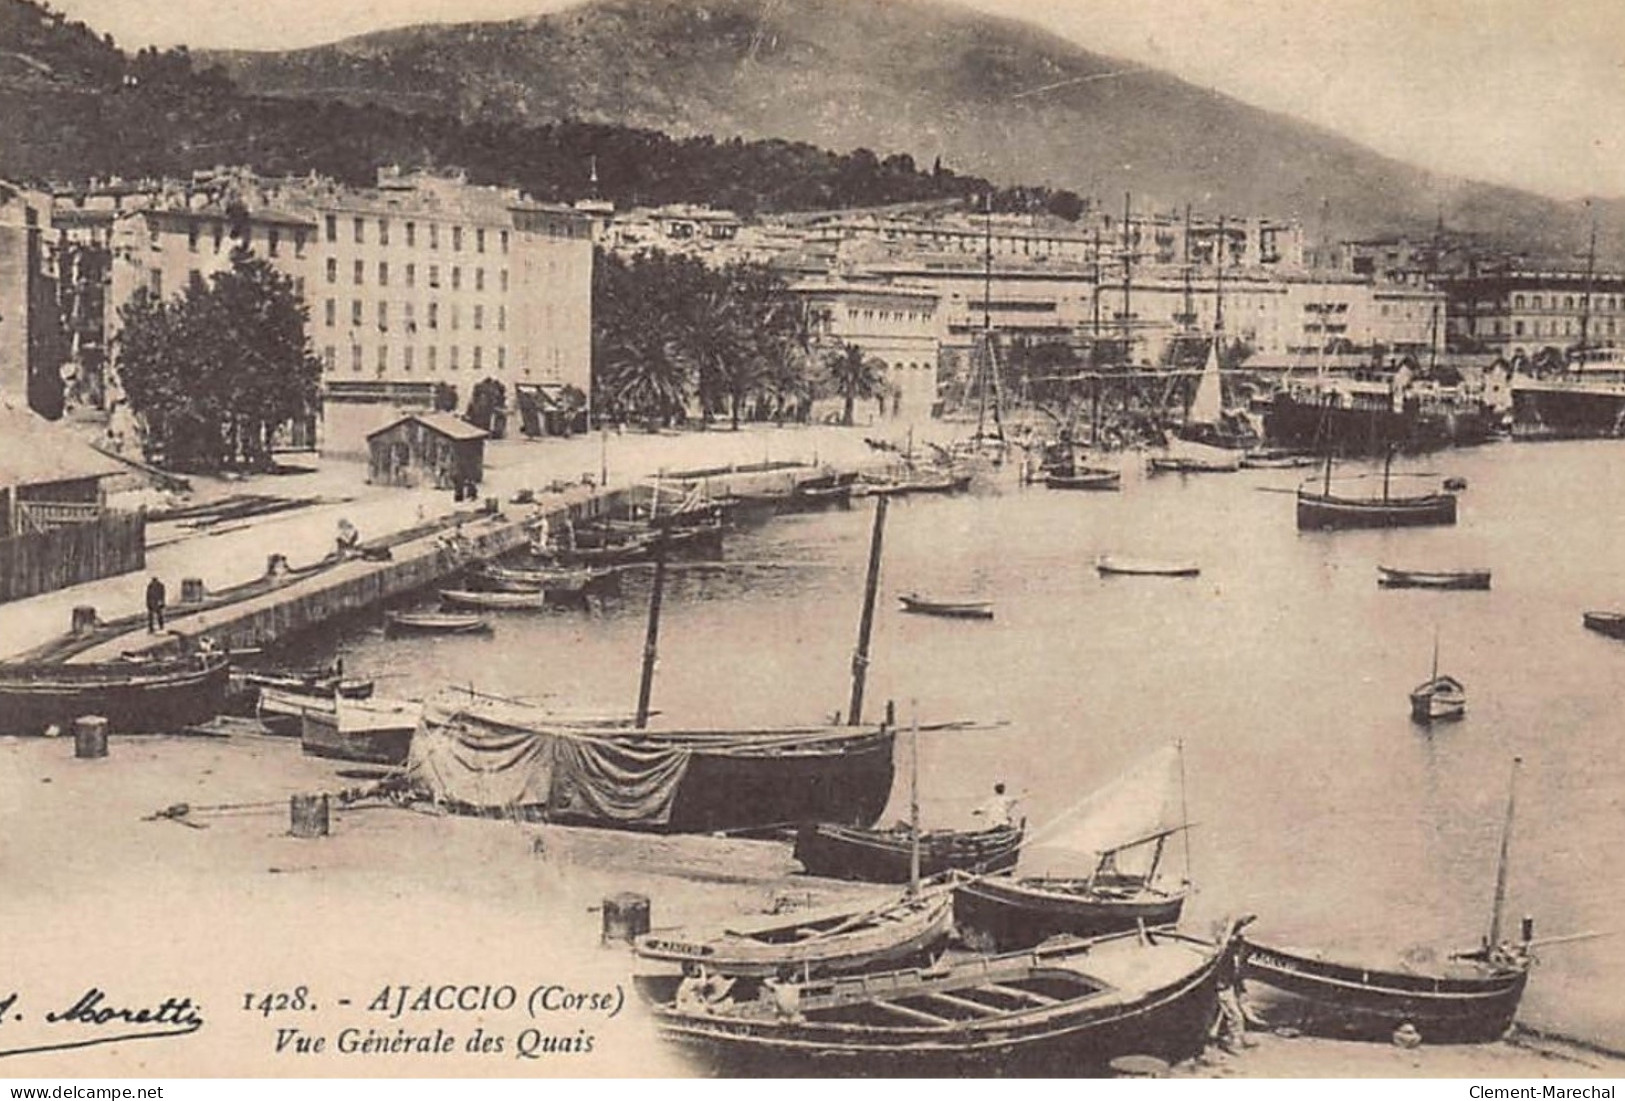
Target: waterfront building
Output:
{"points": [[426, 449], [1521, 312], [897, 324], [419, 283]]}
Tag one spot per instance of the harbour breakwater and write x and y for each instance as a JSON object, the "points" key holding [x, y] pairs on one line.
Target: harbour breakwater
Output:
{"points": [[285, 603]]}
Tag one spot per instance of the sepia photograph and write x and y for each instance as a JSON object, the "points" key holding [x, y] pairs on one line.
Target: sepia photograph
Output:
{"points": [[812, 539]]}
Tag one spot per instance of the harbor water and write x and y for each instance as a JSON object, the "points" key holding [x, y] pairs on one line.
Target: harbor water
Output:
{"points": [[1282, 669]]}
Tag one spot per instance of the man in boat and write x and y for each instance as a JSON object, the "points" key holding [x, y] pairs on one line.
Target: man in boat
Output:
{"points": [[155, 606], [1000, 810], [701, 989]]}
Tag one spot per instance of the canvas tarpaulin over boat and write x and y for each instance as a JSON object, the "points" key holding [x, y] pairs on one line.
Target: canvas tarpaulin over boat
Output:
{"points": [[467, 760]]}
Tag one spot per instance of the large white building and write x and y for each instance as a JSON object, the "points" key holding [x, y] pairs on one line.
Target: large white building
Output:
{"points": [[419, 282], [900, 326]]}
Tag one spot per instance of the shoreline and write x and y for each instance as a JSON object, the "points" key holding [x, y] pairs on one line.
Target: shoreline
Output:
{"points": [[459, 895]]}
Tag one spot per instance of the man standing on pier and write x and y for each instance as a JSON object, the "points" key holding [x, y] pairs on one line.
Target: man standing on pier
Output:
{"points": [[155, 606]]}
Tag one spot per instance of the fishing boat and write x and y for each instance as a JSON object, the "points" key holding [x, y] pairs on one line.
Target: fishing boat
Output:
{"points": [[883, 856], [135, 697], [1611, 624], [1110, 564], [840, 938], [1324, 510], [1066, 1008], [1276, 458], [471, 598], [1391, 577], [528, 763], [951, 609], [1084, 477], [1185, 457], [529, 579], [454, 623], [1115, 839], [1470, 997], [1440, 697], [373, 731]]}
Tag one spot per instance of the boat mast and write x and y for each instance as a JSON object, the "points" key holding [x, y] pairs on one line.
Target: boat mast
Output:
{"points": [[1128, 281], [914, 801], [860, 659], [652, 637], [1501, 867], [1585, 299], [1184, 811]]}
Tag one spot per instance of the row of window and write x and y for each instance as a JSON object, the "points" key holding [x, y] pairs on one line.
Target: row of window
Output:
{"points": [[410, 228], [382, 358], [1570, 328], [885, 315], [217, 235], [409, 273], [1538, 302], [408, 315]]}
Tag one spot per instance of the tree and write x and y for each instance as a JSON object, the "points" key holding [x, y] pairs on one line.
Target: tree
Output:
{"points": [[853, 375], [445, 397], [215, 372]]}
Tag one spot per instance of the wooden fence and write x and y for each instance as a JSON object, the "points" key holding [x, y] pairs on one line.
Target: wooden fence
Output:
{"points": [[44, 561]]}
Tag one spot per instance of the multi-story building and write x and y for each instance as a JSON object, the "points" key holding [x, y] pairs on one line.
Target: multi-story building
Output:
{"points": [[31, 355], [899, 325], [1521, 312], [419, 283]]}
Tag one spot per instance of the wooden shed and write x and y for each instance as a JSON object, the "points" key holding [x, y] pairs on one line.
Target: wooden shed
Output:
{"points": [[54, 530], [434, 449]]}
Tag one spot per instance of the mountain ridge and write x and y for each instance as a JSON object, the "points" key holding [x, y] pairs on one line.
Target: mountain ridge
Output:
{"points": [[990, 95]]}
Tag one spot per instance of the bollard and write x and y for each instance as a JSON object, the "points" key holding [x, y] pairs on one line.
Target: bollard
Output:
{"points": [[493, 506], [191, 590], [276, 565], [84, 619], [626, 917], [308, 815], [89, 737]]}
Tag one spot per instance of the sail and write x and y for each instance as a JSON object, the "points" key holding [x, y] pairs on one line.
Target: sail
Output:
{"points": [[1208, 402], [1142, 804]]}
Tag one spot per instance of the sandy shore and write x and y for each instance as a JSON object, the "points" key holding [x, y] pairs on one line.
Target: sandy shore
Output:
{"points": [[230, 908]]}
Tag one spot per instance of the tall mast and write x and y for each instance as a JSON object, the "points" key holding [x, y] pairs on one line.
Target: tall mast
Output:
{"points": [[914, 802], [984, 360], [860, 659], [1218, 283], [1128, 281], [1585, 299], [1501, 867], [652, 637]]}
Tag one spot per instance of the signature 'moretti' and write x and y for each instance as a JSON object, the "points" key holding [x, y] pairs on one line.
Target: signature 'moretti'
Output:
{"points": [[93, 1018]]}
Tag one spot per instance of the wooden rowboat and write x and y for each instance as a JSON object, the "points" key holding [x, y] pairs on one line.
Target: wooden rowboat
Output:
{"points": [[951, 609], [135, 697], [1108, 565], [372, 731], [437, 622], [1438, 699], [1611, 624], [1087, 477], [1468, 999], [505, 601], [833, 939], [1067, 1008], [884, 856], [1389, 577]]}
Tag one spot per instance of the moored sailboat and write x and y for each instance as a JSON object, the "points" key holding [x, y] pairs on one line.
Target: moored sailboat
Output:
{"points": [[1440, 697], [1118, 835]]}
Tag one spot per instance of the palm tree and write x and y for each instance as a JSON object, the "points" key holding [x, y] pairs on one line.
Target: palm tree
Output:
{"points": [[854, 375]]}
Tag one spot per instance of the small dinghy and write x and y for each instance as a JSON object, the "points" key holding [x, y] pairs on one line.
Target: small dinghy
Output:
{"points": [[951, 609], [1109, 565], [451, 623]]}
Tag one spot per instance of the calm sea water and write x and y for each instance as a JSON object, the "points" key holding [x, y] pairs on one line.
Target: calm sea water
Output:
{"points": [[1283, 670]]}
